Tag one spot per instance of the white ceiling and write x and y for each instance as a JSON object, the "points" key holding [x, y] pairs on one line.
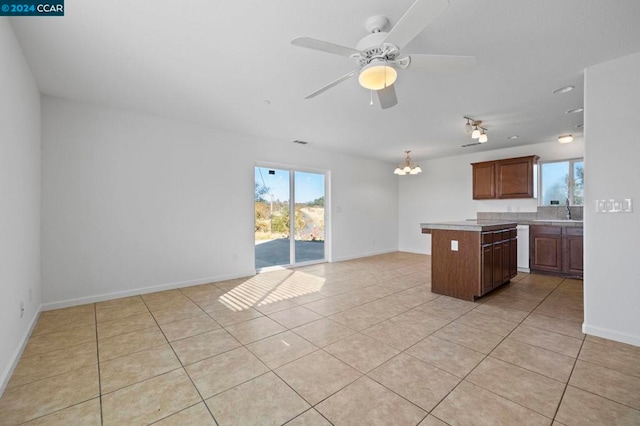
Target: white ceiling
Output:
{"points": [[216, 63]]}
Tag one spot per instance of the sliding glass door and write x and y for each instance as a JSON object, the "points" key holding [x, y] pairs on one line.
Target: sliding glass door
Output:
{"points": [[289, 216], [309, 216]]}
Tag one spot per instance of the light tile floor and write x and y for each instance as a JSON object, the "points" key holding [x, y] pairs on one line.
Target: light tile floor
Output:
{"points": [[357, 342]]}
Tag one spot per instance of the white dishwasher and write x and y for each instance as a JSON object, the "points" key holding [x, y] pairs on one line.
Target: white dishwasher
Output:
{"points": [[523, 248]]}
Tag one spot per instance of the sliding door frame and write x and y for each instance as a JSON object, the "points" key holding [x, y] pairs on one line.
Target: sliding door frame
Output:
{"points": [[292, 204]]}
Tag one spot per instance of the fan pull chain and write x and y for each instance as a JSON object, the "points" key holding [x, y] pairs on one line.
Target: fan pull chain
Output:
{"points": [[371, 101]]}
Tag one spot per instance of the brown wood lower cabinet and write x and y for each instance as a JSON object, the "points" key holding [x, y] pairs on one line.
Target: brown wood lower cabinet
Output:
{"points": [[556, 249], [499, 258], [573, 251], [482, 262]]}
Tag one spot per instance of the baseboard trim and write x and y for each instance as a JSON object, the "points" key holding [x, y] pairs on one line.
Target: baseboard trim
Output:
{"points": [[15, 358], [359, 256], [611, 334], [525, 270], [141, 290]]}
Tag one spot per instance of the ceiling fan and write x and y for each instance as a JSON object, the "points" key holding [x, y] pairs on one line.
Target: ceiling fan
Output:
{"points": [[378, 53]]}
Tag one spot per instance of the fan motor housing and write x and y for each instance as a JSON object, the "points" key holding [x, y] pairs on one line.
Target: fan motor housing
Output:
{"points": [[371, 42]]}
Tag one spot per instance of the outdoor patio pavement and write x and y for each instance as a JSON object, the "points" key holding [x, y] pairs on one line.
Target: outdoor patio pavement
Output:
{"points": [[276, 252]]}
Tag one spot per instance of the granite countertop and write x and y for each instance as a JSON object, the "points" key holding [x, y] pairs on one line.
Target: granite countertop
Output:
{"points": [[545, 215], [469, 225], [553, 222]]}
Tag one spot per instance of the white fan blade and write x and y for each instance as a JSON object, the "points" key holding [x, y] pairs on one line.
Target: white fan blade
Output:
{"points": [[323, 46], [387, 97], [420, 14], [333, 83], [442, 62]]}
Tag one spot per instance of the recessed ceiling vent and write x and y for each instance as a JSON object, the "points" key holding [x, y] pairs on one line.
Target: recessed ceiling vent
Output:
{"points": [[300, 142]]}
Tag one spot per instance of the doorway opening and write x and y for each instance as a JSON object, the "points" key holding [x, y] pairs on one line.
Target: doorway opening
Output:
{"points": [[290, 217]]}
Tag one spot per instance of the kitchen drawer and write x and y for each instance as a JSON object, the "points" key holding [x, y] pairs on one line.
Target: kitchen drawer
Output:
{"points": [[574, 231], [501, 235], [547, 230], [487, 238]]}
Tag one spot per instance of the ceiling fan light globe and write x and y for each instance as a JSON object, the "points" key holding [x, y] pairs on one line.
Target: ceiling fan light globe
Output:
{"points": [[417, 169], [407, 169], [483, 138], [397, 171], [377, 76], [475, 134]]}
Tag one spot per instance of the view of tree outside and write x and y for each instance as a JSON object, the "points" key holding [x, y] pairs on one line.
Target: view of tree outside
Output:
{"points": [[272, 212], [578, 183], [561, 181]]}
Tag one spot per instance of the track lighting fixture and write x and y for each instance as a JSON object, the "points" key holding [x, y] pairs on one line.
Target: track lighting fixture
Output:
{"points": [[408, 168], [478, 132], [468, 128]]}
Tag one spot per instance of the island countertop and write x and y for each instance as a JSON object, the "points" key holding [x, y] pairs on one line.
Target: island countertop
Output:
{"points": [[468, 225]]}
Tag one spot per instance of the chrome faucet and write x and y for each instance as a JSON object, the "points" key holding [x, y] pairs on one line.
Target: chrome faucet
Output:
{"points": [[568, 210]]}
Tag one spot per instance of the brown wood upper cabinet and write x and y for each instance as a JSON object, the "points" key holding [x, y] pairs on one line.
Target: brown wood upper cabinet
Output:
{"points": [[507, 178]]}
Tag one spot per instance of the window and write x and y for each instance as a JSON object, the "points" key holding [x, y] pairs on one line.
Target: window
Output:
{"points": [[561, 181]]}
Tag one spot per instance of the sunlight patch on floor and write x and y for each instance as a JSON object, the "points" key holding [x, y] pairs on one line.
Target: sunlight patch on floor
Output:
{"points": [[277, 286]]}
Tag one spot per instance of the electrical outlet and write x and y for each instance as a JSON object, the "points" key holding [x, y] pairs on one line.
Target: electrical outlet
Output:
{"points": [[21, 309], [454, 245]]}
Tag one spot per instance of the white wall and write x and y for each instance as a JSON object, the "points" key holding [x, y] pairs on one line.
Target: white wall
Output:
{"points": [[132, 201], [19, 200], [442, 192], [612, 241]]}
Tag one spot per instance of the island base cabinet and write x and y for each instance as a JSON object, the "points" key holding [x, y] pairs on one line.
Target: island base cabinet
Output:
{"points": [[487, 268], [469, 264], [513, 253]]}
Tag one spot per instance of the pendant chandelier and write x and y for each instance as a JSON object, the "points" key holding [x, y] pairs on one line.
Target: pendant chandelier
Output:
{"points": [[408, 168]]}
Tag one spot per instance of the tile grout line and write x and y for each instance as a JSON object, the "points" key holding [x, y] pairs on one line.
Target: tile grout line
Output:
{"points": [[357, 332], [181, 366], [568, 380], [596, 394], [320, 348], [95, 313], [489, 354]]}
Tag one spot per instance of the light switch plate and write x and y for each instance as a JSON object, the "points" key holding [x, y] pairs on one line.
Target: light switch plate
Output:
{"points": [[617, 206], [454, 245], [620, 205]]}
